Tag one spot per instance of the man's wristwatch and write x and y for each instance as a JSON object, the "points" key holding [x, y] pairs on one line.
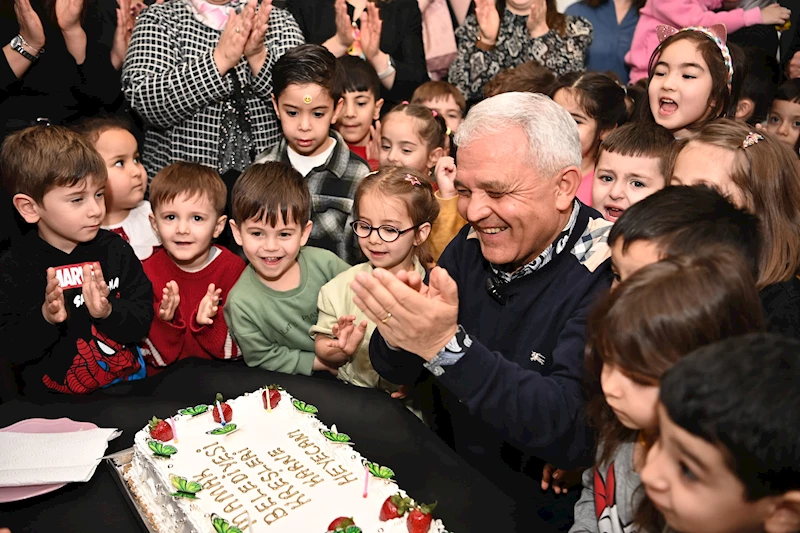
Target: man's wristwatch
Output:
{"points": [[18, 44]]}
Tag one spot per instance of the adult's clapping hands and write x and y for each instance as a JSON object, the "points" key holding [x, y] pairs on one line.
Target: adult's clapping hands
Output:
{"points": [[344, 27], [488, 20], [30, 26], [371, 28], [418, 318], [243, 36], [126, 18], [793, 68], [537, 20]]}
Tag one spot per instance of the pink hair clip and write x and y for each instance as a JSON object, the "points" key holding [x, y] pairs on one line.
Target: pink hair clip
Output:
{"points": [[414, 181], [435, 114], [751, 139], [404, 102]]}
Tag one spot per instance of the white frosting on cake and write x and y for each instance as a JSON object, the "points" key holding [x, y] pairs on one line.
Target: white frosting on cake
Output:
{"points": [[275, 473]]}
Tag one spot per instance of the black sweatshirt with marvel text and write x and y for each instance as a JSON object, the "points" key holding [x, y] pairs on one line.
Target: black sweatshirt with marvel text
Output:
{"points": [[82, 353]]}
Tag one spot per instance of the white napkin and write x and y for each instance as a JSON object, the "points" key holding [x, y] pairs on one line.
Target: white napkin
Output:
{"points": [[47, 458]]}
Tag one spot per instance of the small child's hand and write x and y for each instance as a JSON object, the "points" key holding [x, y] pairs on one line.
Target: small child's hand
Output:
{"points": [[348, 335], [445, 177], [374, 145], [170, 298], [96, 291], [402, 392], [560, 480], [53, 308], [209, 306], [775, 14], [319, 364]]}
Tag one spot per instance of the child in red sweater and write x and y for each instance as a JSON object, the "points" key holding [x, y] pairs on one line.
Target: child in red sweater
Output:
{"points": [[191, 276]]}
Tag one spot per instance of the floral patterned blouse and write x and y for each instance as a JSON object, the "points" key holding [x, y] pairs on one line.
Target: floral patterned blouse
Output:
{"points": [[473, 67]]}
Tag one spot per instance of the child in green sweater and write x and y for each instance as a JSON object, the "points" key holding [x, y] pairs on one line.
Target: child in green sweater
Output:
{"points": [[274, 303]]}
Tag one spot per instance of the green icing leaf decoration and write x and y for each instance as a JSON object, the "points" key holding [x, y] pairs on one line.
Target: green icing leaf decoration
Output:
{"points": [[227, 429], [352, 529], [337, 437], [383, 472], [162, 450], [187, 495], [222, 526], [194, 411], [184, 485], [305, 407]]}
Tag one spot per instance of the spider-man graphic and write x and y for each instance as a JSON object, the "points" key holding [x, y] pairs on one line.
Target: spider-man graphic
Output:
{"points": [[605, 506], [99, 363]]}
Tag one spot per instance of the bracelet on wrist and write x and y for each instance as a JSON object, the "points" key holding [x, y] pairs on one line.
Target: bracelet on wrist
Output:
{"points": [[484, 44], [389, 69], [25, 43]]}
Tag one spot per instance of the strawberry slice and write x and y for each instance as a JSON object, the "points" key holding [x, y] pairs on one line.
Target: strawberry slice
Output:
{"points": [[226, 410], [273, 393], [420, 518], [160, 430], [395, 506], [341, 524]]}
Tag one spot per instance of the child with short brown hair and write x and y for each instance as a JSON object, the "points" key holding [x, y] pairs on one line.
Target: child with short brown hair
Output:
{"points": [[445, 99], [632, 163], [274, 303], [73, 295], [191, 276]]}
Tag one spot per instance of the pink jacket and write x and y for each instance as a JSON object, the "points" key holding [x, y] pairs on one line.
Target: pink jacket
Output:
{"points": [[680, 14]]}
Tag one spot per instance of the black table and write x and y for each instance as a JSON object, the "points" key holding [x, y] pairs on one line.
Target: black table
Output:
{"points": [[382, 429]]}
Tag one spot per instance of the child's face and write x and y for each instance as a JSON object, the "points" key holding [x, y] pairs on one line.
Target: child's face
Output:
{"points": [[68, 216], [621, 180], [783, 121], [626, 261], [359, 111], [680, 89], [401, 146], [448, 108], [587, 126], [306, 113], [186, 226], [704, 164], [377, 210], [127, 179], [689, 482], [271, 250], [634, 404]]}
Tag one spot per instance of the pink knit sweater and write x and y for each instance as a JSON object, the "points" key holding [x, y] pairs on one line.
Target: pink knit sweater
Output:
{"points": [[680, 14]]}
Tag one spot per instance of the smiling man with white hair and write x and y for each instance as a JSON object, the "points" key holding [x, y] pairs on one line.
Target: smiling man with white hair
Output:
{"points": [[501, 325]]}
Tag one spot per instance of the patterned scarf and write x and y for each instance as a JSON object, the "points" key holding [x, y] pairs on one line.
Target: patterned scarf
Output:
{"points": [[211, 15], [546, 256]]}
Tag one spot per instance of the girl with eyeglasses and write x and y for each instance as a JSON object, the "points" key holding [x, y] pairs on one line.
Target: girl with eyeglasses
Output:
{"points": [[394, 210]]}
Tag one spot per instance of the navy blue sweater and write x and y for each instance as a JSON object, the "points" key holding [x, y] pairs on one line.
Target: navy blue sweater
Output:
{"points": [[516, 398]]}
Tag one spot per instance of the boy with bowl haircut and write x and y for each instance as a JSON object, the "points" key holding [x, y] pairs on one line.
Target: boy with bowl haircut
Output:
{"points": [[307, 97], [729, 448], [74, 298], [362, 107], [274, 304], [632, 163], [191, 276], [445, 99]]}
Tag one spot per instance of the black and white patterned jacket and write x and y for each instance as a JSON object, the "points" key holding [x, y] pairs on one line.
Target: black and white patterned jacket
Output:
{"points": [[473, 67], [170, 79]]}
